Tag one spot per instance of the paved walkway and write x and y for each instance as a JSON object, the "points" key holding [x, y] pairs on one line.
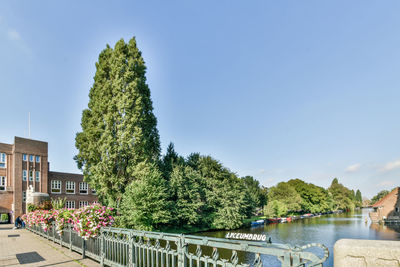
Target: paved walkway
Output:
{"points": [[24, 248]]}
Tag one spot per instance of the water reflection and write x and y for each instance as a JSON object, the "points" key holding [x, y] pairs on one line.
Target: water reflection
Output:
{"points": [[325, 230]]}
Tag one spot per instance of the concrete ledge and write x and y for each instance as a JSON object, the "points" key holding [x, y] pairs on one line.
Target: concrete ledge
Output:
{"points": [[360, 253]]}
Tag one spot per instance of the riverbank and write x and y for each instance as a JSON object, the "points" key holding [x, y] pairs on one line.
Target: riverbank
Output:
{"points": [[249, 222]]}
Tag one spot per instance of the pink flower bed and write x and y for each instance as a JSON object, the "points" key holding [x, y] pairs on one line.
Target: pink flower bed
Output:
{"points": [[86, 221]]}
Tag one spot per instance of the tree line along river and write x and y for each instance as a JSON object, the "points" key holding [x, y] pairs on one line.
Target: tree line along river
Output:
{"points": [[326, 230]]}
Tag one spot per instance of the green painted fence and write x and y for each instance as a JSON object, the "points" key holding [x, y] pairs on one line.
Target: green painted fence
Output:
{"points": [[126, 247]]}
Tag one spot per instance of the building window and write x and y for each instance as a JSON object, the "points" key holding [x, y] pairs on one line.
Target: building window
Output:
{"points": [[24, 175], [83, 188], [2, 160], [37, 176], [30, 175], [37, 158], [3, 183], [397, 209], [83, 203], [70, 187], [70, 204], [56, 187], [24, 157], [94, 192], [31, 158], [23, 196]]}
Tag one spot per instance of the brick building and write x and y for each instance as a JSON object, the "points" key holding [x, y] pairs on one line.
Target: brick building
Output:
{"points": [[388, 208], [24, 164]]}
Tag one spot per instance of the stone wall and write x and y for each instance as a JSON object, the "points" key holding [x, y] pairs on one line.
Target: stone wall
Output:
{"points": [[360, 253]]}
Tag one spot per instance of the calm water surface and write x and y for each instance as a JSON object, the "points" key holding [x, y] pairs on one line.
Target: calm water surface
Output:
{"points": [[326, 230]]}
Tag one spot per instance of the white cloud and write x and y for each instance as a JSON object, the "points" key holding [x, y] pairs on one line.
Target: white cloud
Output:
{"points": [[386, 183], [391, 165], [261, 171], [353, 168], [13, 35]]}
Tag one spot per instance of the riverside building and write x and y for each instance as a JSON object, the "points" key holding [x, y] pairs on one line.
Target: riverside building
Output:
{"points": [[24, 167]]}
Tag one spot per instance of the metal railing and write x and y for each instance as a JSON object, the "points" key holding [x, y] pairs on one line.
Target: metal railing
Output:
{"points": [[126, 247]]}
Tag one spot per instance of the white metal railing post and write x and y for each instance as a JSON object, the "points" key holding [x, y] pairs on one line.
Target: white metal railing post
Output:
{"points": [[70, 237], [102, 247], [83, 248], [182, 249], [130, 250]]}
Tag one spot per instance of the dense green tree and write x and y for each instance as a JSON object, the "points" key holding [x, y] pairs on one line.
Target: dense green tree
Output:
{"points": [[224, 192], [118, 127], [342, 196], [254, 195], [314, 199], [379, 196], [275, 209], [144, 205], [229, 212], [193, 161], [186, 186], [286, 194]]}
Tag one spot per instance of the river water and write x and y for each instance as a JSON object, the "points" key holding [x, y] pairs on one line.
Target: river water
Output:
{"points": [[326, 230]]}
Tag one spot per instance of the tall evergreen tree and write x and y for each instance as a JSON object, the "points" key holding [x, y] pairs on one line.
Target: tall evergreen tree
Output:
{"points": [[118, 127], [169, 160]]}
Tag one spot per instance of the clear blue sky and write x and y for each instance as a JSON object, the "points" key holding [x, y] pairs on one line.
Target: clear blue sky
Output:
{"points": [[273, 89]]}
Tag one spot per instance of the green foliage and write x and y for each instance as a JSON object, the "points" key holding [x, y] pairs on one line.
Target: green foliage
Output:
{"points": [[255, 195], [206, 194], [44, 205], [314, 199], [118, 127], [284, 193], [298, 196], [275, 208], [187, 193], [144, 206], [358, 199], [379, 196], [169, 160], [343, 198], [58, 203], [224, 193], [32, 207]]}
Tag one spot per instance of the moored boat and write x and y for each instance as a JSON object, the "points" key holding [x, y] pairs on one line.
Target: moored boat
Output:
{"points": [[274, 220], [258, 222]]}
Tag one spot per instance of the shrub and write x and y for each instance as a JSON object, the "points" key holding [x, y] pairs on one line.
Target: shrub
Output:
{"points": [[4, 217], [45, 205], [32, 207]]}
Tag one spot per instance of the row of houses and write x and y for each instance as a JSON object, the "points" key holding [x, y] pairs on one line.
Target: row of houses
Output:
{"points": [[24, 168]]}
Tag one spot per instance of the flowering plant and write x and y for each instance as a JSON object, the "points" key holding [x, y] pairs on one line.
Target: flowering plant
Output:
{"points": [[87, 221], [62, 218]]}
